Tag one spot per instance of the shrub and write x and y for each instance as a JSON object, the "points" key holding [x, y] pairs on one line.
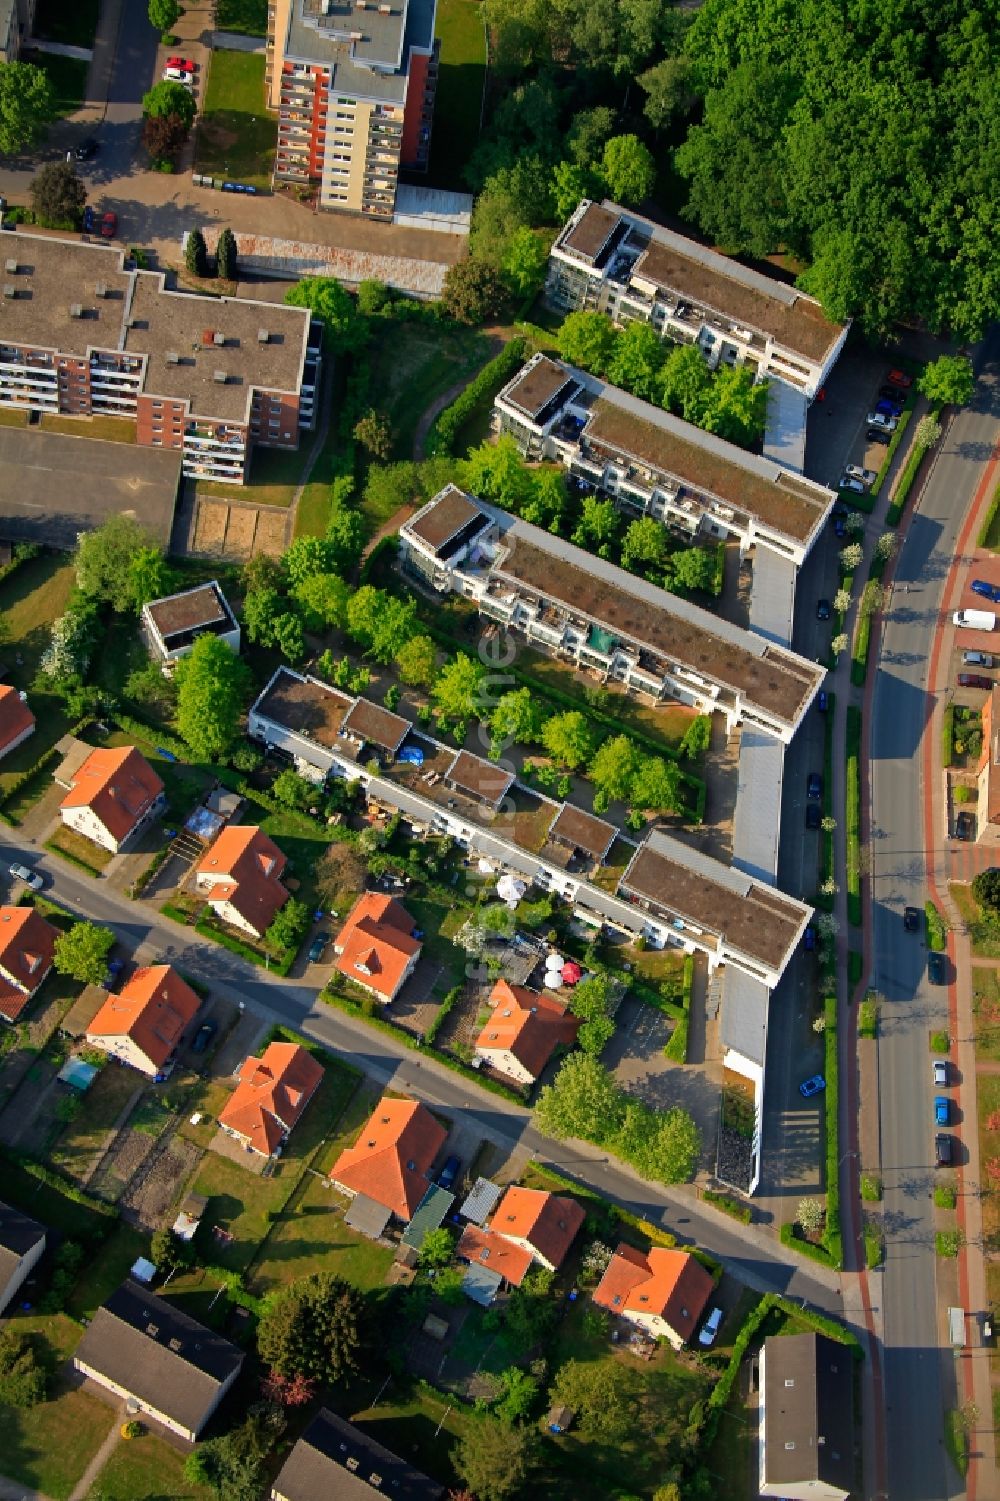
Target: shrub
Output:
{"points": [[948, 735], [728, 1205], [871, 1188], [944, 1196], [940, 1042], [853, 815], [873, 1245], [445, 429], [948, 1243], [937, 932]]}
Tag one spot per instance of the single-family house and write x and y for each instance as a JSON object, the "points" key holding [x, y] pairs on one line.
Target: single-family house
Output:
{"points": [[240, 876], [22, 1241], [16, 720], [806, 1416], [144, 1349], [271, 1096], [542, 1223], [376, 948], [113, 796], [27, 943], [390, 1162], [172, 625], [334, 1461], [661, 1291], [143, 1026], [523, 1031]]}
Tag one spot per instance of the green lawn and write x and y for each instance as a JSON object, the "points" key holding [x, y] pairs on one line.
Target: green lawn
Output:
{"points": [[243, 1201], [30, 599], [459, 102], [80, 850], [988, 1108], [50, 1205], [105, 1269], [48, 1447], [75, 25], [412, 363], [105, 429], [145, 1469], [249, 16], [411, 1418], [310, 1235], [274, 473], [236, 136], [986, 1009]]}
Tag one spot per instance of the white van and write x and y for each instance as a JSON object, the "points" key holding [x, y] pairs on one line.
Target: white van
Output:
{"points": [[975, 620]]}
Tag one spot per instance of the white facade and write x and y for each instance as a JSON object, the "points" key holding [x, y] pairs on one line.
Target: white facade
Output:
{"points": [[126, 1051], [222, 906], [86, 822], [147, 1407], [216, 618], [504, 1061], [27, 1262]]}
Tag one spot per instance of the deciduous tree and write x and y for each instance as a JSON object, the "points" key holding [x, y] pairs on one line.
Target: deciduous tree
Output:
{"points": [[587, 340], [583, 1100], [344, 330], [457, 690], [169, 98], [322, 598], [628, 168], [57, 194], [374, 432], [416, 661], [313, 1328], [212, 683], [473, 292], [948, 381], [27, 104], [524, 262], [82, 952], [113, 561], [495, 1459], [163, 14], [613, 768], [517, 718], [568, 738]]}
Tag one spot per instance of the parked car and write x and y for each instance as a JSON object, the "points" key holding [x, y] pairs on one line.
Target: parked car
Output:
{"points": [[866, 476], [812, 1086], [985, 588], [89, 219], [182, 64], [912, 917], [941, 1073], [710, 1328], [898, 378], [879, 435], [823, 609], [29, 877], [973, 680], [942, 1151], [809, 939], [937, 971], [178, 75], [814, 786], [942, 1110], [840, 521], [965, 826], [317, 946], [822, 700], [204, 1036], [814, 816], [882, 420], [449, 1173], [977, 659], [848, 482], [109, 225], [893, 394], [87, 149], [887, 408]]}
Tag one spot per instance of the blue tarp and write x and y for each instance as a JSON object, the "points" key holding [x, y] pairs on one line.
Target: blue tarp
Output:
{"points": [[412, 755]]}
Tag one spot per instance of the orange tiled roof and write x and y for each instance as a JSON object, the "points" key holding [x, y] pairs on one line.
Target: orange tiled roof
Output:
{"points": [[670, 1284], [272, 1093], [528, 1024], [391, 1158], [247, 867], [27, 943], [547, 1221], [117, 785], [152, 1009], [484, 1248], [376, 944], [15, 716]]}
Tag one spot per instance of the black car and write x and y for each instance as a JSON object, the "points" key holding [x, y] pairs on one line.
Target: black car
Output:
{"points": [[317, 946], [911, 919], [965, 826], [823, 609], [893, 394], [879, 435], [814, 786], [204, 1036], [86, 149], [814, 816], [942, 1151], [937, 968]]}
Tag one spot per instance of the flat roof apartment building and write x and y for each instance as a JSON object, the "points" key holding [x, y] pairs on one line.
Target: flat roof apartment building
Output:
{"points": [[83, 333], [353, 82], [601, 619], [654, 464], [614, 262]]}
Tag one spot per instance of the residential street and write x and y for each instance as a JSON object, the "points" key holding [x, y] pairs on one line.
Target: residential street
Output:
{"points": [[756, 1260], [918, 1366]]}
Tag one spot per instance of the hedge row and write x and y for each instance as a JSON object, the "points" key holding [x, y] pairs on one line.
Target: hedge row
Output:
{"points": [[207, 927], [989, 521], [677, 1047], [142, 881], [907, 478], [937, 930], [833, 1237], [448, 1004], [62, 1185], [280, 1033], [894, 443], [853, 815], [824, 899], [791, 1236], [855, 966], [446, 426], [948, 730], [728, 1205]]}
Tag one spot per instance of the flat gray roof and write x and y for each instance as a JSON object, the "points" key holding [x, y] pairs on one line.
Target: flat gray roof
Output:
{"points": [[52, 275], [743, 1025], [366, 49], [757, 822], [54, 485]]}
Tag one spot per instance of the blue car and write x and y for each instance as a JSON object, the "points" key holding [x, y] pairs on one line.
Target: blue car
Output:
{"points": [[812, 1086], [809, 938], [942, 1113], [88, 220], [449, 1173], [987, 590], [822, 700]]}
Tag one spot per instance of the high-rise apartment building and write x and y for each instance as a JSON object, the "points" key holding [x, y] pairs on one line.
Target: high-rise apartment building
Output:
{"points": [[353, 82]]}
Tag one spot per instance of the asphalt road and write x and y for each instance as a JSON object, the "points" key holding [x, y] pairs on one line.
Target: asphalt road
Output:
{"points": [[755, 1260], [914, 1363]]}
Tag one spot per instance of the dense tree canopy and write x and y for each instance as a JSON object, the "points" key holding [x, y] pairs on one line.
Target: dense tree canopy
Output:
{"points": [[27, 104], [211, 684]]}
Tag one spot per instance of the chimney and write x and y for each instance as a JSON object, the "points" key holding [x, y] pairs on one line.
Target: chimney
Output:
{"points": [[219, 339]]}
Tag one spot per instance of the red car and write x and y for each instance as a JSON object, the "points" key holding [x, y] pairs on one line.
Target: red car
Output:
{"points": [[183, 63], [897, 378], [109, 225], [973, 680]]}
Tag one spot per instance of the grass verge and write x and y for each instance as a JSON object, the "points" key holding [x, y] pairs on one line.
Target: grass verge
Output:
{"points": [[956, 1440], [236, 136], [853, 815]]}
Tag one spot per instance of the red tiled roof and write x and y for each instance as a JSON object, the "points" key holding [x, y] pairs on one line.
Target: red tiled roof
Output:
{"points": [[548, 1222], [484, 1248], [391, 1158], [376, 944], [15, 716], [27, 943], [665, 1283], [247, 866], [117, 785], [152, 1009], [272, 1093], [528, 1024]]}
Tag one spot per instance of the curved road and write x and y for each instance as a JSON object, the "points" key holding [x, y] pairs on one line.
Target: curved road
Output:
{"points": [[917, 1370]]}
